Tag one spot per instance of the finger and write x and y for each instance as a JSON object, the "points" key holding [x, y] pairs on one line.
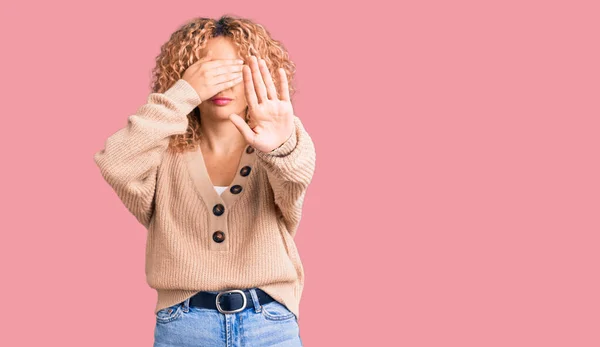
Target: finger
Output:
{"points": [[223, 69], [227, 84], [226, 77], [271, 91], [217, 63], [249, 88], [243, 128], [261, 91], [283, 85]]}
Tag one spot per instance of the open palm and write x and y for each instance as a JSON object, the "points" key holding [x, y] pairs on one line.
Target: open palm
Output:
{"points": [[271, 119]]}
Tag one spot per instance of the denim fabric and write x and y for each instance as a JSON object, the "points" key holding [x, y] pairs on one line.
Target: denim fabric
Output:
{"points": [[183, 325]]}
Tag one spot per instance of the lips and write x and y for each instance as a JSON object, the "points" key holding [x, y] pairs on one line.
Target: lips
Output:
{"points": [[220, 98], [220, 101]]}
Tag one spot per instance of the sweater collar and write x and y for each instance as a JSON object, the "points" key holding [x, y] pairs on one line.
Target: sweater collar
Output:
{"points": [[204, 187]]}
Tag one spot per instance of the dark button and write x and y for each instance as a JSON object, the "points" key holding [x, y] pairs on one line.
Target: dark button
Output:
{"points": [[218, 209], [236, 189], [245, 171], [218, 236], [249, 149]]}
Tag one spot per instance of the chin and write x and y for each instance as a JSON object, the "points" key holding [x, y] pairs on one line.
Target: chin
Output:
{"points": [[223, 112]]}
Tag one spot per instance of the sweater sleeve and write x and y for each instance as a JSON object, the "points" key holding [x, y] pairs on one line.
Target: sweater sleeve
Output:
{"points": [[290, 169], [131, 156]]}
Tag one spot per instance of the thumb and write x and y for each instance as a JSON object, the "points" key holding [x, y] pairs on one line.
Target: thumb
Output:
{"points": [[243, 127]]}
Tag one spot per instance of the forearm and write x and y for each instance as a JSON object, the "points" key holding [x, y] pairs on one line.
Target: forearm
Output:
{"points": [[131, 156], [290, 169]]}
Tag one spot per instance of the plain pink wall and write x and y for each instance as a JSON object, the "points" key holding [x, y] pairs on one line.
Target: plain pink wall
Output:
{"points": [[455, 200]]}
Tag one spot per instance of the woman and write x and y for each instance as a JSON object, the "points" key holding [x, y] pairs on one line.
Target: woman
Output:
{"points": [[220, 194]]}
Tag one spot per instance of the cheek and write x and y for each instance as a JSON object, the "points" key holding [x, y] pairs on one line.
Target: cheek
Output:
{"points": [[240, 94]]}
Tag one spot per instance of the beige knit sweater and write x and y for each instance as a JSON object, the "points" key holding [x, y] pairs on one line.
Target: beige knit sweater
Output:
{"points": [[172, 195]]}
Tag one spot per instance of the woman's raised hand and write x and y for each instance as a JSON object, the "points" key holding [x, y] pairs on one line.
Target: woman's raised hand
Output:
{"points": [[271, 119], [209, 77]]}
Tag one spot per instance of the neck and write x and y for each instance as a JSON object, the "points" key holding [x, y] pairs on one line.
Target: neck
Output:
{"points": [[221, 137]]}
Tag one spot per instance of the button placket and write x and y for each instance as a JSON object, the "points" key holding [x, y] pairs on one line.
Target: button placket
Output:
{"points": [[219, 205], [236, 188]]}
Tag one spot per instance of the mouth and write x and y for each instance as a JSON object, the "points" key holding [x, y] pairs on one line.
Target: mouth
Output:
{"points": [[220, 101]]}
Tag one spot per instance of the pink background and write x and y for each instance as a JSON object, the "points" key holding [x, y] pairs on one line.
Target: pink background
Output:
{"points": [[455, 200]]}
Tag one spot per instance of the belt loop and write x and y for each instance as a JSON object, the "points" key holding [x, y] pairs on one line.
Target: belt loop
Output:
{"points": [[257, 306], [186, 304]]}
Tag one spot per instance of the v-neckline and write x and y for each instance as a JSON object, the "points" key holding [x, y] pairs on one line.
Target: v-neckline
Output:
{"points": [[198, 171]]}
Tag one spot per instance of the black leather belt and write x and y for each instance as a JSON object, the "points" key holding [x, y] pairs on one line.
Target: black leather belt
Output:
{"points": [[229, 301]]}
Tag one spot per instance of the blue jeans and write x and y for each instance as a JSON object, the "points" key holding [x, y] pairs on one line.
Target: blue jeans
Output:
{"points": [[271, 324]]}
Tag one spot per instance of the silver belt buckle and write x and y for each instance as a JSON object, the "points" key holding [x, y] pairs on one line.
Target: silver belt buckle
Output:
{"points": [[231, 291]]}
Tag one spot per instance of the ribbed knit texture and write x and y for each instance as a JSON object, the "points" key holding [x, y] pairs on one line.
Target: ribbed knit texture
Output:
{"points": [[171, 194]]}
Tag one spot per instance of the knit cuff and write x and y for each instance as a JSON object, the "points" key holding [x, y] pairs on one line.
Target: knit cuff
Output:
{"points": [[184, 94]]}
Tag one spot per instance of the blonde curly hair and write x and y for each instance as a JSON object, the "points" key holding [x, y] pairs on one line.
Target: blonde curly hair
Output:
{"points": [[182, 50]]}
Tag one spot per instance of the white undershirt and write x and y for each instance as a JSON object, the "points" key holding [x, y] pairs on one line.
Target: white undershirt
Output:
{"points": [[220, 189]]}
